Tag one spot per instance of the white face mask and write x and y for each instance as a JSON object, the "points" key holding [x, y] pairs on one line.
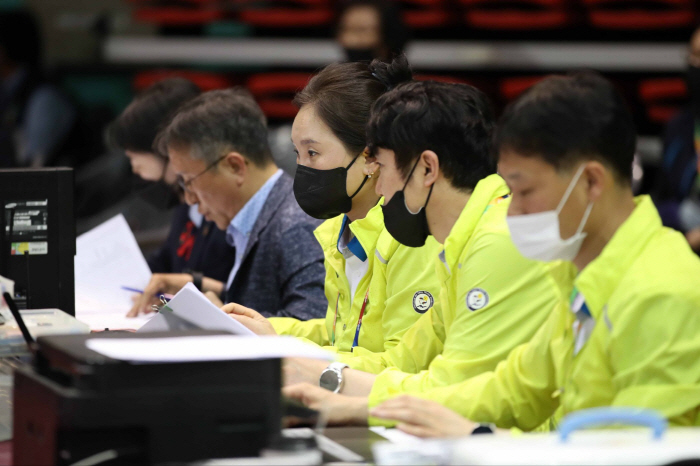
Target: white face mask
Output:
{"points": [[537, 236]]}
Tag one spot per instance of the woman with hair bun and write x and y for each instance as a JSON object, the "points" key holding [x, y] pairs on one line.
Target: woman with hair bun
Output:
{"points": [[376, 287]]}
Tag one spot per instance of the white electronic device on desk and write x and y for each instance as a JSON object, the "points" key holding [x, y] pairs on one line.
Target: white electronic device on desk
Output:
{"points": [[39, 322], [567, 446]]}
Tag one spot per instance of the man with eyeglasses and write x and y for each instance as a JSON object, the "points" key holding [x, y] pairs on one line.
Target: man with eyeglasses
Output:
{"points": [[217, 146]]}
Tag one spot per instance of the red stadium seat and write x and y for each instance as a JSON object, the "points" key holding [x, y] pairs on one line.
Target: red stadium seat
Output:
{"points": [[274, 92], [205, 81], [285, 14], [177, 16], [517, 15], [663, 97], [424, 14], [511, 88], [440, 78], [640, 15]]}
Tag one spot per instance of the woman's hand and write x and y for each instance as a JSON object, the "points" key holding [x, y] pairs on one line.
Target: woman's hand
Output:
{"points": [[250, 318], [423, 418]]}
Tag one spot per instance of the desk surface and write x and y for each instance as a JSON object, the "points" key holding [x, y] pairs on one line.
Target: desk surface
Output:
{"points": [[357, 439]]}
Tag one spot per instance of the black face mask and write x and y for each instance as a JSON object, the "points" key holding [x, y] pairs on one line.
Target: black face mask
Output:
{"points": [[360, 54], [158, 194], [323, 194], [406, 227], [693, 83]]}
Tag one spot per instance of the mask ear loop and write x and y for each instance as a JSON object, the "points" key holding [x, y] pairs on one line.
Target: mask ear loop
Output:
{"points": [[570, 188], [430, 193], [363, 181]]}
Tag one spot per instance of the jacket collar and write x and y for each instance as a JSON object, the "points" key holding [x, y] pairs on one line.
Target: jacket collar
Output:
{"points": [[366, 231], [486, 192], [281, 190], [599, 279]]}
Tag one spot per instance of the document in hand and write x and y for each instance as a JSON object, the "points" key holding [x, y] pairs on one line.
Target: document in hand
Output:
{"points": [[191, 305], [205, 348], [107, 259]]}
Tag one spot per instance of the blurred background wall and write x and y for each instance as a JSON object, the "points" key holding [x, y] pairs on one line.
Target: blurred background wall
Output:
{"points": [[99, 53]]}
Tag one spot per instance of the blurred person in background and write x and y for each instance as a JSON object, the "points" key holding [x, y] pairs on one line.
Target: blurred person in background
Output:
{"points": [[365, 29], [193, 246], [369, 29], [676, 190], [35, 117]]}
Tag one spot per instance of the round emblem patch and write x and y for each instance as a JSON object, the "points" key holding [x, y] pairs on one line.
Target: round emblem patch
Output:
{"points": [[422, 301], [477, 299]]}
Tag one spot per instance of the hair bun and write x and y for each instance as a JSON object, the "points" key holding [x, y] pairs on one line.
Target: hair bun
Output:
{"points": [[392, 74]]}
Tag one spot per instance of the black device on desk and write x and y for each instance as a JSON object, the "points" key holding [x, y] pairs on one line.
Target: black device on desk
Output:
{"points": [[73, 404], [37, 236]]}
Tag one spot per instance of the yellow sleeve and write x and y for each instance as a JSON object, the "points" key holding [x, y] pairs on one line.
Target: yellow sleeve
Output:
{"points": [[658, 366], [418, 346], [313, 330], [518, 294], [519, 393]]}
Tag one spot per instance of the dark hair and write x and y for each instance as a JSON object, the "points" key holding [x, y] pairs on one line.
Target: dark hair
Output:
{"points": [[453, 120], [394, 32], [343, 93], [567, 119], [20, 37], [217, 122], [136, 128]]}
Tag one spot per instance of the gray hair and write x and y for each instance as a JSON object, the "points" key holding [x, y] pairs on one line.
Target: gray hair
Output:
{"points": [[218, 122]]}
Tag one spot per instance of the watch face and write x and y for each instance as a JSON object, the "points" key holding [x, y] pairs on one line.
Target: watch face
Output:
{"points": [[329, 380]]}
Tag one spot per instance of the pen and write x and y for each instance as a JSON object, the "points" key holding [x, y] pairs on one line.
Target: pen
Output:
{"points": [[136, 290]]}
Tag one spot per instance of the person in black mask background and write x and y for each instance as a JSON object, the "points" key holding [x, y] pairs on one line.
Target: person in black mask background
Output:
{"points": [[369, 29], [676, 190], [193, 245]]}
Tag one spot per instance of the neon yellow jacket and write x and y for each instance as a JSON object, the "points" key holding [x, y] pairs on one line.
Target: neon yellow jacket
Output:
{"points": [[643, 293], [401, 283], [492, 300]]}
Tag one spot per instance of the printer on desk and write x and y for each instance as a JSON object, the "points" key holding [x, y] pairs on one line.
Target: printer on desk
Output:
{"points": [[74, 404]]}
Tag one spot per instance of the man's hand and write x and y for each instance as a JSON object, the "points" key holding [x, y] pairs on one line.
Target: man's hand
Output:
{"points": [[423, 418], [160, 283], [250, 318], [336, 409]]}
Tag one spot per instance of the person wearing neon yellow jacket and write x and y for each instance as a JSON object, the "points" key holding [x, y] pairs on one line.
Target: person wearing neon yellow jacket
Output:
{"points": [[492, 299], [627, 334], [376, 287]]}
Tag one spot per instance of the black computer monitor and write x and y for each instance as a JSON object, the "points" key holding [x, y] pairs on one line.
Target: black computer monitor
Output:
{"points": [[37, 236]]}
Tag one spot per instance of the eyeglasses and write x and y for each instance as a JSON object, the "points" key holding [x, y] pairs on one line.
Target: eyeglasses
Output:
{"points": [[185, 185]]}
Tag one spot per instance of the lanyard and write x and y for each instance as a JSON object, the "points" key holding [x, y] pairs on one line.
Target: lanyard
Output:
{"points": [[359, 322]]}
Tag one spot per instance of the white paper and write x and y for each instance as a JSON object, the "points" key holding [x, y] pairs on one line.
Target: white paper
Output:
{"points": [[395, 435], [107, 259], [205, 348], [190, 304]]}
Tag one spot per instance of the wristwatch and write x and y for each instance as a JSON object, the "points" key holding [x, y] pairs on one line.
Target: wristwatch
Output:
{"points": [[484, 429], [332, 377]]}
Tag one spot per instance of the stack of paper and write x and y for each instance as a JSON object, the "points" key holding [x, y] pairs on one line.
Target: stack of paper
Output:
{"points": [[205, 348], [191, 305], [107, 259]]}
